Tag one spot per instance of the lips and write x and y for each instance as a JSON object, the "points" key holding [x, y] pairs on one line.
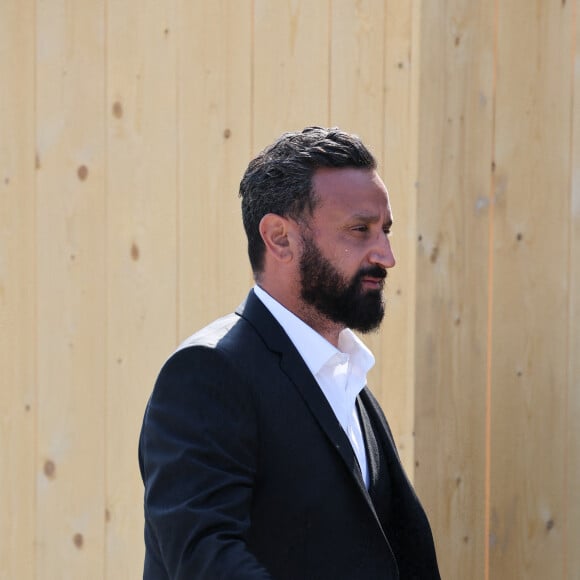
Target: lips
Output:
{"points": [[373, 283]]}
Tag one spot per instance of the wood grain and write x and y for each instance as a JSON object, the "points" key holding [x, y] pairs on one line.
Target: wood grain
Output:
{"points": [[141, 249], [357, 69], [572, 505], [399, 145], [18, 408], [215, 117], [71, 286], [356, 103], [452, 238], [530, 291], [291, 59]]}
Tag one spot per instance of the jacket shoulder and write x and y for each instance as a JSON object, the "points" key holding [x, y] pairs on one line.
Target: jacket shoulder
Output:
{"points": [[211, 334]]}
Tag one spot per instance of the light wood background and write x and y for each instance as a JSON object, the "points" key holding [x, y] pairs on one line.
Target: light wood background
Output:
{"points": [[125, 127]]}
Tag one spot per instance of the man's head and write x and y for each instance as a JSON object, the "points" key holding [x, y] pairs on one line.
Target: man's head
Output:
{"points": [[279, 179], [317, 216]]}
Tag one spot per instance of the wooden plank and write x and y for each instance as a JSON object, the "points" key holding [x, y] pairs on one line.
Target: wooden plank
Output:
{"points": [[371, 95], [71, 289], [357, 68], [572, 506], [291, 59], [141, 249], [530, 291], [453, 218], [17, 293], [215, 116], [399, 139]]}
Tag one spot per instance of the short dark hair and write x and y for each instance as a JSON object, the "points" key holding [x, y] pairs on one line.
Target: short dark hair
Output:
{"points": [[279, 179]]}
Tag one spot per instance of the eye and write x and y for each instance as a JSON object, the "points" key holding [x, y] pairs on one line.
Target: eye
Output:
{"points": [[361, 228], [387, 230]]}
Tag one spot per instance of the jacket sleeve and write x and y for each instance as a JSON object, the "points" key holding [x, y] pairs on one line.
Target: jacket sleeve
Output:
{"points": [[198, 454]]}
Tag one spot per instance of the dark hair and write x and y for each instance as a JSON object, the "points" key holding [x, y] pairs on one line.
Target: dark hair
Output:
{"points": [[279, 179]]}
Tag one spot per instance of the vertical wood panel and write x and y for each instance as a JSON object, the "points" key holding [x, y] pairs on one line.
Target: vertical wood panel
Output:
{"points": [[401, 68], [572, 506], [452, 276], [71, 289], [290, 67], [531, 302], [17, 292], [141, 249], [357, 69], [214, 149], [371, 95]]}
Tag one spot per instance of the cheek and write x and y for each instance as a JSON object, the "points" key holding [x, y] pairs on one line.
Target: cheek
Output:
{"points": [[346, 262], [341, 254]]}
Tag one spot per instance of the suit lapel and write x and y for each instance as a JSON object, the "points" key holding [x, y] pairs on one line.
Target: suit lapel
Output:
{"points": [[371, 446], [297, 371], [294, 367]]}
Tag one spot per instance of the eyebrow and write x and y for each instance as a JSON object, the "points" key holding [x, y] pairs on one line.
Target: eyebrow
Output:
{"points": [[371, 218]]}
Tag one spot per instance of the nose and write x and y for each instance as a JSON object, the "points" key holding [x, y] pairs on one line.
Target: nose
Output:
{"points": [[382, 253]]}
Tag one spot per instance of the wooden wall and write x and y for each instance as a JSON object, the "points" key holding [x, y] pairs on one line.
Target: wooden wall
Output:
{"points": [[124, 130]]}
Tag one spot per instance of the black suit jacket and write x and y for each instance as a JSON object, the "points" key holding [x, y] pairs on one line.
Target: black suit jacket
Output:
{"points": [[248, 474]]}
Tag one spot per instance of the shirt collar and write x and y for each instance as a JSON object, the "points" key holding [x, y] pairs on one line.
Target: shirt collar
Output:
{"points": [[312, 347], [360, 354]]}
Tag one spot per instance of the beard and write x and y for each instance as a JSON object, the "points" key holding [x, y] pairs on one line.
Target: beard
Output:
{"points": [[337, 298]]}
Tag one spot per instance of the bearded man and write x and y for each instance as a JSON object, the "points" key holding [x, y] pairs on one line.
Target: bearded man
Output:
{"points": [[263, 453]]}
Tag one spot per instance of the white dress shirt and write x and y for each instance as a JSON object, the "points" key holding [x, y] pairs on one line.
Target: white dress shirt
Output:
{"points": [[340, 372]]}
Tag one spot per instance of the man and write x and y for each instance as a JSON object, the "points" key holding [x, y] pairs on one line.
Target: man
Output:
{"points": [[263, 453]]}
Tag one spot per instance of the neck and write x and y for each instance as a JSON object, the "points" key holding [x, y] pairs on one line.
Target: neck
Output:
{"points": [[326, 328], [288, 294]]}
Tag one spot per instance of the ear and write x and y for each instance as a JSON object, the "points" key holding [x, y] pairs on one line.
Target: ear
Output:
{"points": [[276, 231]]}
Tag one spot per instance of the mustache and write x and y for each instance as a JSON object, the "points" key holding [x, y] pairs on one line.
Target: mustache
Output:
{"points": [[372, 272]]}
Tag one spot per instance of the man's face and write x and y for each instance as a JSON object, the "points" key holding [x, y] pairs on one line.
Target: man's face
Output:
{"points": [[346, 251]]}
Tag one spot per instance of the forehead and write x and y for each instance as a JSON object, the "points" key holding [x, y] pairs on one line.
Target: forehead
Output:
{"points": [[351, 191]]}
